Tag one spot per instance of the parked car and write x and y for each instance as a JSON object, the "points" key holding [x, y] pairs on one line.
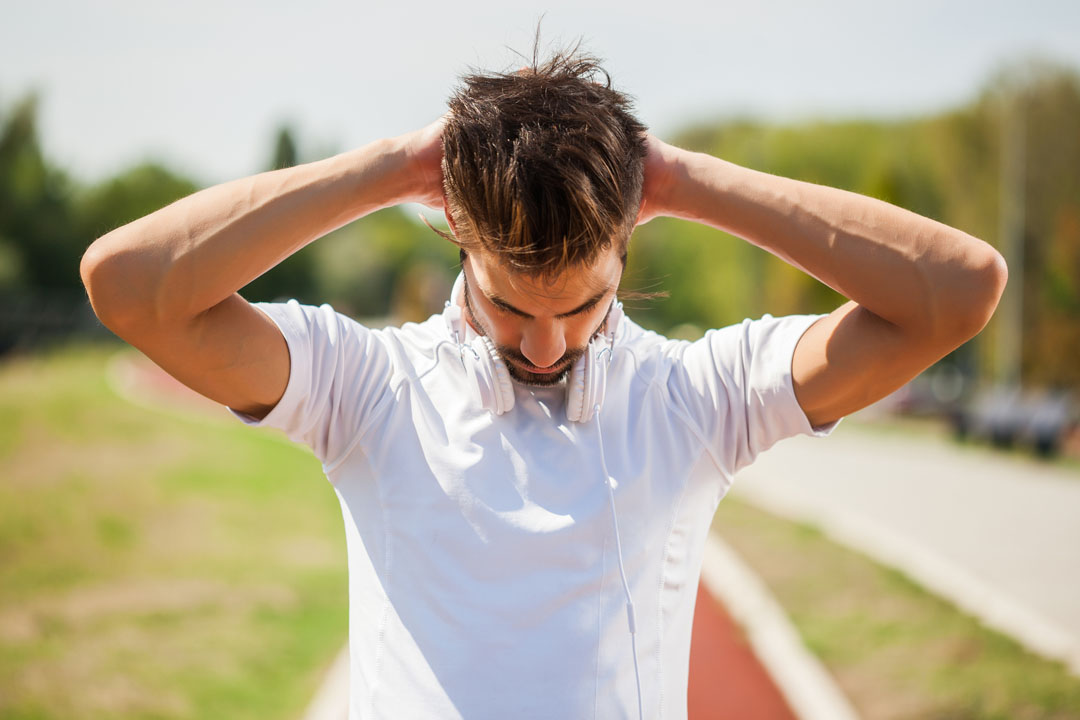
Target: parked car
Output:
{"points": [[1008, 416]]}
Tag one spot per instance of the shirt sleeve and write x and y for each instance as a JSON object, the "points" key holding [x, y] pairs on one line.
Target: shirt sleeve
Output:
{"points": [[338, 379], [734, 387]]}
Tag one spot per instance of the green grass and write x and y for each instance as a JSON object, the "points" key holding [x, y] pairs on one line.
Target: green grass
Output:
{"points": [[897, 651], [156, 565]]}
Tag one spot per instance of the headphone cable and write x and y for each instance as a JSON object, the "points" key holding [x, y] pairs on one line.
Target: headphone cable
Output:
{"points": [[610, 482]]}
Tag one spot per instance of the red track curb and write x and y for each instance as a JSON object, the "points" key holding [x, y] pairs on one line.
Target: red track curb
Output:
{"points": [[726, 679]]}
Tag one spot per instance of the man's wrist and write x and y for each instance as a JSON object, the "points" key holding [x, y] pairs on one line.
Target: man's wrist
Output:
{"points": [[383, 174], [697, 186], [668, 186]]}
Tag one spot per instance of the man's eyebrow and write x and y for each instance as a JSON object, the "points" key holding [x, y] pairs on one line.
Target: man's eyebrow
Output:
{"points": [[585, 306]]}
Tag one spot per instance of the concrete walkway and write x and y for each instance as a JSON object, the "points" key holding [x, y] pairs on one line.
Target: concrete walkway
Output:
{"points": [[996, 534]]}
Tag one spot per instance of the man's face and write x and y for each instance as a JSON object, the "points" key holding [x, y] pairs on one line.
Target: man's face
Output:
{"points": [[540, 328]]}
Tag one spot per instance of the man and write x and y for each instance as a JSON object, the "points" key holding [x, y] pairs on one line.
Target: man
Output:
{"points": [[527, 478]]}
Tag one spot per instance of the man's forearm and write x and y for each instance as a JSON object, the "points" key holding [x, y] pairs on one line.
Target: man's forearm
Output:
{"points": [[193, 254], [912, 271]]}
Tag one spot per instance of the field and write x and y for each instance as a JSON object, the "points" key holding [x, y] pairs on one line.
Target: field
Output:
{"points": [[156, 564]]}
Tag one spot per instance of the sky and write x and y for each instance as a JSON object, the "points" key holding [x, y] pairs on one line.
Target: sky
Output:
{"points": [[203, 85]]}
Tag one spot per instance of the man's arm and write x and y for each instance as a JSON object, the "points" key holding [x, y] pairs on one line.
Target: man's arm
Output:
{"points": [[167, 283], [918, 288]]}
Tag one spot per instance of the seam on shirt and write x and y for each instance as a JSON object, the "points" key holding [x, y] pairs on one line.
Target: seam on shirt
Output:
{"points": [[654, 384], [290, 330], [387, 588], [746, 452], [788, 380], [382, 406], [599, 628], [657, 383], [380, 410], [705, 447], [660, 593]]}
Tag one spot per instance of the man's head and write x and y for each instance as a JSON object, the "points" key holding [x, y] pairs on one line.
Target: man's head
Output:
{"points": [[543, 167], [543, 172]]}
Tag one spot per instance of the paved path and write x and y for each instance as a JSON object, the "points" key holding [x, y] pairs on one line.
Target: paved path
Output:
{"points": [[997, 534]]}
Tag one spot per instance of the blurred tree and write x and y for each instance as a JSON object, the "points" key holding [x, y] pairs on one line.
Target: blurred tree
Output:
{"points": [[294, 277], [1050, 98], [361, 266], [129, 196], [12, 272], [37, 236], [285, 154]]}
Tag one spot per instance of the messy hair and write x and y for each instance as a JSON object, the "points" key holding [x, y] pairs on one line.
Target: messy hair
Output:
{"points": [[543, 166]]}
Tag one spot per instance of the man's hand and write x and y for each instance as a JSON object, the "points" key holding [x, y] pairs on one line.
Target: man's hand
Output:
{"points": [[659, 165], [424, 150]]}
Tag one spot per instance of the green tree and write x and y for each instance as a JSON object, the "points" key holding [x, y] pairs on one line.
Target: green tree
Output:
{"points": [[294, 277], [285, 153], [129, 196], [37, 237]]}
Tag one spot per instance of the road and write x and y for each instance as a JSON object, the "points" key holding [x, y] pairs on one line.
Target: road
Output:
{"points": [[998, 534]]}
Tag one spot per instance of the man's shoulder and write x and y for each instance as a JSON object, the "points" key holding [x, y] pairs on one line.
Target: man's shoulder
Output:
{"points": [[326, 323], [691, 345], [419, 338], [645, 352]]}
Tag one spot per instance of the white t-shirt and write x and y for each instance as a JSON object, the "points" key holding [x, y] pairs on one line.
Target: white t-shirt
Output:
{"points": [[483, 576]]}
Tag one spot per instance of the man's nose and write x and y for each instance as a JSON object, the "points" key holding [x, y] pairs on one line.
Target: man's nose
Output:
{"points": [[543, 344]]}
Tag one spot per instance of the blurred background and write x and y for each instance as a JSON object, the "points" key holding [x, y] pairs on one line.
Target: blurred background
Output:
{"points": [[134, 519]]}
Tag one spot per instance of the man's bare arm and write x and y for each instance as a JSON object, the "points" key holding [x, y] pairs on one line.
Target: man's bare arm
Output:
{"points": [[167, 283], [919, 288]]}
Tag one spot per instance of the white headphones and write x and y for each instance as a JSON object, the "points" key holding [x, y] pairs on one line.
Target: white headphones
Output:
{"points": [[588, 377]]}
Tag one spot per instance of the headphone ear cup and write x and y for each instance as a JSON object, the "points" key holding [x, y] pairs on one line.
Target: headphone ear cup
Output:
{"points": [[576, 385], [587, 384], [596, 382], [496, 388], [489, 371]]}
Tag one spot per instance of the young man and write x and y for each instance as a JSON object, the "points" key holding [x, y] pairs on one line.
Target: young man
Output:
{"points": [[527, 478]]}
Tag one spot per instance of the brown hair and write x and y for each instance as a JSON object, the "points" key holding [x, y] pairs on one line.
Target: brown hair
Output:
{"points": [[543, 166]]}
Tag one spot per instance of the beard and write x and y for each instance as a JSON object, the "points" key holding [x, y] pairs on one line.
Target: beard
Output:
{"points": [[513, 360], [517, 364]]}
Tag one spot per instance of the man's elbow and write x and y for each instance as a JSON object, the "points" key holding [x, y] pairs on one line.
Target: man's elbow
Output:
{"points": [[106, 281], [989, 274]]}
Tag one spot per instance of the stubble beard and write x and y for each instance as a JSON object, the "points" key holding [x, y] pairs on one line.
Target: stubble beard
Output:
{"points": [[511, 357]]}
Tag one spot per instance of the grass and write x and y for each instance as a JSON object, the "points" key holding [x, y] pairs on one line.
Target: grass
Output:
{"points": [[896, 651], [156, 565]]}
